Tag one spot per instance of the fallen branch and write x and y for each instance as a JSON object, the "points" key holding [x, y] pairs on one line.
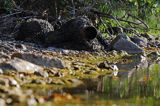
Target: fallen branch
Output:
{"points": [[101, 14], [9, 15], [139, 20]]}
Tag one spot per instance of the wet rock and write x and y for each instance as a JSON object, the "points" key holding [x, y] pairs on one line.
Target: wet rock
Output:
{"points": [[114, 67], [21, 66], [115, 72], [33, 30], [142, 42], [106, 65], [122, 42], [138, 61], [103, 65]]}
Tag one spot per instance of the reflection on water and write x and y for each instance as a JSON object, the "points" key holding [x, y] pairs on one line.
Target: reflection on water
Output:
{"points": [[136, 84], [139, 78]]}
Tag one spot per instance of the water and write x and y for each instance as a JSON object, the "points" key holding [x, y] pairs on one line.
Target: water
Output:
{"points": [[137, 83]]}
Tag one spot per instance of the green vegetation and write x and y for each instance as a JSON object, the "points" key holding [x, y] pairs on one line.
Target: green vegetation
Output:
{"points": [[146, 10], [117, 12], [83, 82], [8, 5]]}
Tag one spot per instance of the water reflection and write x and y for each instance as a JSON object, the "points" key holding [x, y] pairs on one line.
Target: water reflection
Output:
{"points": [[138, 78], [137, 83]]}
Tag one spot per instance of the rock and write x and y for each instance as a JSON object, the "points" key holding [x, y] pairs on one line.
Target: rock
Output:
{"points": [[104, 42], [32, 101], [106, 65], [43, 60], [20, 46], [8, 81], [148, 36], [154, 55], [103, 65], [7, 25], [55, 73], [123, 53], [13, 82], [138, 62], [157, 41], [152, 42], [41, 73], [21, 66], [75, 82], [38, 81], [75, 30], [124, 43], [33, 30], [114, 30], [140, 41], [76, 34], [114, 67], [1, 71], [2, 102], [157, 38]]}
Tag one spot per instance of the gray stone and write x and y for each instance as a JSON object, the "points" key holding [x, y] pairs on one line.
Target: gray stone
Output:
{"points": [[148, 36], [8, 81], [140, 41], [33, 30], [154, 55], [2, 102], [20, 65], [106, 65], [44, 61], [124, 43]]}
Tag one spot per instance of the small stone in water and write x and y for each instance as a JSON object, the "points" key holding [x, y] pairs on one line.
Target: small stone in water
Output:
{"points": [[2, 102]]}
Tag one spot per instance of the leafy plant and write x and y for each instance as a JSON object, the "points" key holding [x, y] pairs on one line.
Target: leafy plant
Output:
{"points": [[7, 5]]}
